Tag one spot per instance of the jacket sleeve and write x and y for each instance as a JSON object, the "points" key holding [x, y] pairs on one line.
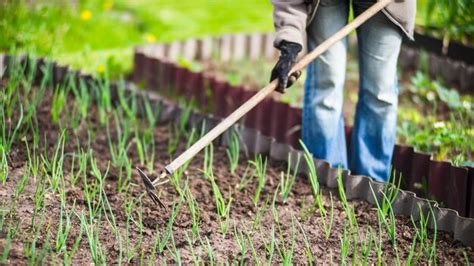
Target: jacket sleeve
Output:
{"points": [[289, 20]]}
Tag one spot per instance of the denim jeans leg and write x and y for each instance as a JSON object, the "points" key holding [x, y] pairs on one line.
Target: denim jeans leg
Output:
{"points": [[373, 136], [323, 124]]}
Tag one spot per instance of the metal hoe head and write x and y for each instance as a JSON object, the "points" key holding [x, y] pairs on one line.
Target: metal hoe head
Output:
{"points": [[150, 186]]}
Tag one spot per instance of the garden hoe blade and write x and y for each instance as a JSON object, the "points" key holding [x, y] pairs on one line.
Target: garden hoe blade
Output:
{"points": [[256, 99], [150, 188]]}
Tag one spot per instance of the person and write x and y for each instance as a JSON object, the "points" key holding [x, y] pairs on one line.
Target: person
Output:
{"points": [[379, 40]]}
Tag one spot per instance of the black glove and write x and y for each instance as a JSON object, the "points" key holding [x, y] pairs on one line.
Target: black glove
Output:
{"points": [[288, 53]]}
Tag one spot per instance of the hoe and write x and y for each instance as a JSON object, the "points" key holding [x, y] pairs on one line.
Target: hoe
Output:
{"points": [[251, 103]]}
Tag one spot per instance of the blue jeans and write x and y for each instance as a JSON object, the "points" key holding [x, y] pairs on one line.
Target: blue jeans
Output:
{"points": [[373, 134]]}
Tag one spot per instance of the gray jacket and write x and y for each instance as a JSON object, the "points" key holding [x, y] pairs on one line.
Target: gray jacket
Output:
{"points": [[290, 17]]}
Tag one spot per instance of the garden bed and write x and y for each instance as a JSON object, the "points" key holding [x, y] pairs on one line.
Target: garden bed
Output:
{"points": [[72, 194]]}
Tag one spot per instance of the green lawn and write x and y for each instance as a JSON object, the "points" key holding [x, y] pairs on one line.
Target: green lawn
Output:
{"points": [[101, 34]]}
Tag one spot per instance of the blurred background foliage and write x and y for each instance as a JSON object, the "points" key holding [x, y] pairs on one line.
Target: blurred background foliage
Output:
{"points": [[100, 34]]}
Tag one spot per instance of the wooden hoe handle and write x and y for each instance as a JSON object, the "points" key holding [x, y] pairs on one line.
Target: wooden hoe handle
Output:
{"points": [[263, 93]]}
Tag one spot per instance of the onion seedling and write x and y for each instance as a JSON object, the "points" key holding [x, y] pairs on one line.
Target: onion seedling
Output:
{"points": [[233, 152], [421, 233], [260, 212], [347, 209], [245, 179], [312, 175], [345, 245], [269, 247], [260, 170], [193, 208], [308, 252], [162, 239], [252, 248], [92, 230], [8, 136], [366, 246], [33, 159], [388, 223], [145, 149], [53, 167], [287, 181], [57, 104], [222, 208], [241, 243]]}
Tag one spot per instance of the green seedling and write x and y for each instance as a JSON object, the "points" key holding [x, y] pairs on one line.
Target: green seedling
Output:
{"points": [[233, 152], [260, 212], [191, 248], [245, 179], [82, 98], [175, 252], [33, 159], [53, 168], [193, 207], [308, 252], [162, 239], [269, 247], [64, 228], [208, 160], [260, 166], [145, 147], [3, 165], [222, 208], [421, 233], [152, 115], [388, 223], [252, 248], [118, 150], [366, 246], [345, 245], [287, 181], [57, 105], [10, 235], [176, 131], [9, 134], [92, 229], [241, 243], [312, 175], [347, 209]]}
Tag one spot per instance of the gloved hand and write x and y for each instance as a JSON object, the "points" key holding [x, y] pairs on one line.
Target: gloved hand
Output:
{"points": [[288, 53]]}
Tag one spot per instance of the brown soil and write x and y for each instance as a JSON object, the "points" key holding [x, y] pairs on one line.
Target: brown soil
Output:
{"points": [[225, 248]]}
